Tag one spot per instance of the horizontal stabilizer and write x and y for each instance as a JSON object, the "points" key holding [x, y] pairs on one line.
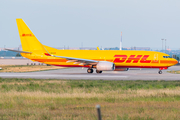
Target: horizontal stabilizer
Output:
{"points": [[18, 51]]}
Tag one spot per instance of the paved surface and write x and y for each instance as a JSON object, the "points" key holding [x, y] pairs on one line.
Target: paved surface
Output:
{"points": [[78, 73], [16, 61]]}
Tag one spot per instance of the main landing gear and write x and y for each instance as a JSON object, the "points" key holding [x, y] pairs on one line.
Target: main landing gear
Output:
{"points": [[90, 70], [98, 71]]}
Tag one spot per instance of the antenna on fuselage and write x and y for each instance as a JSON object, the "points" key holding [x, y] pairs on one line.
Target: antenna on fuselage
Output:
{"points": [[120, 47]]}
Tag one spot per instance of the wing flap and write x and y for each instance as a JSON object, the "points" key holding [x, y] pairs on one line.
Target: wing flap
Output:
{"points": [[78, 60]]}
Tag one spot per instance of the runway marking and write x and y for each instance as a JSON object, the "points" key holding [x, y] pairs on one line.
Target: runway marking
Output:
{"points": [[57, 76]]}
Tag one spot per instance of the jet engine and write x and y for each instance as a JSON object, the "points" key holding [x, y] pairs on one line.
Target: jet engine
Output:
{"points": [[105, 66]]}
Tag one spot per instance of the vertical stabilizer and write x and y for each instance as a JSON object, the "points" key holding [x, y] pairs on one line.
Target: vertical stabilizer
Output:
{"points": [[28, 40]]}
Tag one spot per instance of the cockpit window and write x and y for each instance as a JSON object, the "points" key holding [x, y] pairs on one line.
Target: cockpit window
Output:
{"points": [[166, 56]]}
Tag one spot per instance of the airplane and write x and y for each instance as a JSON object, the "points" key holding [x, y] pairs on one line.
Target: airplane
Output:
{"points": [[101, 60]]}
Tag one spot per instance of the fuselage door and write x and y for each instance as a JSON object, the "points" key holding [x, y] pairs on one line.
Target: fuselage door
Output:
{"points": [[155, 60]]}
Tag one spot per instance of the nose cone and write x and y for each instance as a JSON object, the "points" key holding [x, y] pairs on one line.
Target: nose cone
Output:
{"points": [[174, 62]]}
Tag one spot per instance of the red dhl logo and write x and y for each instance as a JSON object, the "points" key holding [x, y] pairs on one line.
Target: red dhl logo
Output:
{"points": [[132, 58], [27, 35]]}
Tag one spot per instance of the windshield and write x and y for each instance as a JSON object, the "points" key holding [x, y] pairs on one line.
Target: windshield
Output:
{"points": [[166, 56]]}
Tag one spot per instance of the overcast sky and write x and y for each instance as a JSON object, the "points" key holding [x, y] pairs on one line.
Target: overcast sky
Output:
{"points": [[59, 23]]}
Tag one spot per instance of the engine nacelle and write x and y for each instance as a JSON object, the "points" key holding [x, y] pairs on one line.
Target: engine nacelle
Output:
{"points": [[121, 69], [105, 66]]}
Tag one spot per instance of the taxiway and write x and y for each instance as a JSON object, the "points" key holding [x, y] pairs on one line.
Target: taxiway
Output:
{"points": [[78, 73]]}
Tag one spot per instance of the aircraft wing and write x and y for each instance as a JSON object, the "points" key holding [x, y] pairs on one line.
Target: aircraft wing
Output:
{"points": [[79, 60], [17, 51], [76, 60]]}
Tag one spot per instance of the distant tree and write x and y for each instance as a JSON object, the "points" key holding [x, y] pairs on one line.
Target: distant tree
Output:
{"points": [[18, 55]]}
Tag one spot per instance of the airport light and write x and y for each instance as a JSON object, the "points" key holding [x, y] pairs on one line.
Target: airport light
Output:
{"points": [[4, 50], [120, 47], [165, 45], [162, 44]]}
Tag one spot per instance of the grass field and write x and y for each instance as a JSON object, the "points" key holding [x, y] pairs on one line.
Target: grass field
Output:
{"points": [[26, 68], [174, 71], [76, 99]]}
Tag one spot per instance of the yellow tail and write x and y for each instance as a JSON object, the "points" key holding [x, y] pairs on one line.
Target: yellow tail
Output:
{"points": [[28, 40]]}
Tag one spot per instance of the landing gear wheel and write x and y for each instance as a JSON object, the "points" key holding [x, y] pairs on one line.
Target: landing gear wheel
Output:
{"points": [[90, 70], [160, 72], [98, 71]]}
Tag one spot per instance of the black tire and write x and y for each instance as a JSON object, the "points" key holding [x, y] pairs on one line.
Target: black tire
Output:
{"points": [[89, 70], [97, 71], [160, 72]]}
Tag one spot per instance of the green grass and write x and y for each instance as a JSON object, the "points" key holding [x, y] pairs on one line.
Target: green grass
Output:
{"points": [[76, 99], [174, 71], [88, 84], [124, 84]]}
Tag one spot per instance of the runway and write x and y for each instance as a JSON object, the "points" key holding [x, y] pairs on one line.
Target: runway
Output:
{"points": [[78, 74]]}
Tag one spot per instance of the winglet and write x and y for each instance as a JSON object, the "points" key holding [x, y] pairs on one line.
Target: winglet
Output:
{"points": [[98, 48]]}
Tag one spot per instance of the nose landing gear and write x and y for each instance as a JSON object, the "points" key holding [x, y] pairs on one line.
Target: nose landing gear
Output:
{"points": [[160, 72], [160, 69]]}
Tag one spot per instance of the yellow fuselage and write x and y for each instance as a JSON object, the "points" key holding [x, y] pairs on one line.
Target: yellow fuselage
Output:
{"points": [[121, 58]]}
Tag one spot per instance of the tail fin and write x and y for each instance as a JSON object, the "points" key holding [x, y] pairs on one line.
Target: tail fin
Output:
{"points": [[28, 40]]}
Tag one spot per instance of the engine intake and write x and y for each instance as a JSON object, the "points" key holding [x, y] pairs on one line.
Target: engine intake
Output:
{"points": [[105, 66]]}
